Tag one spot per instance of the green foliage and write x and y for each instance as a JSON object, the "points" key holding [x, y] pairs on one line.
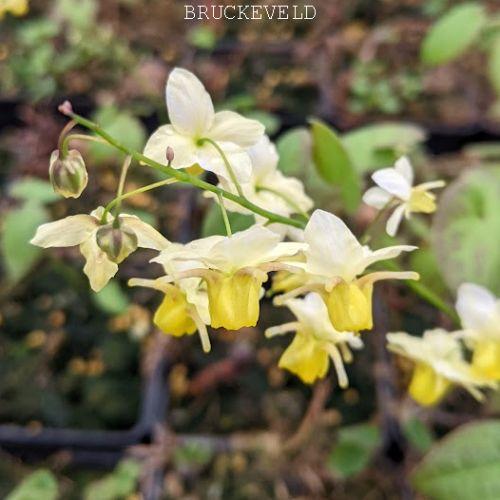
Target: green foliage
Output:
{"points": [[202, 37], [494, 64], [39, 485], [379, 145], [464, 229], [119, 124], [117, 485], [19, 226], [424, 262], [354, 449], [111, 299], [271, 122], [334, 165], [453, 33], [418, 434], [196, 453], [31, 188], [463, 466], [214, 224]]}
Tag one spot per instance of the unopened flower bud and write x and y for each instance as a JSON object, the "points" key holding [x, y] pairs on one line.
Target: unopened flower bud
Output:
{"points": [[68, 175], [116, 242], [170, 154]]}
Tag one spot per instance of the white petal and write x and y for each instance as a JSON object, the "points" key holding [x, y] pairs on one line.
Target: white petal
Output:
{"points": [[312, 313], [67, 232], [147, 236], [393, 182], [333, 249], [476, 306], [190, 108], [264, 157], [394, 220], [185, 150], [403, 167], [229, 126], [386, 253], [377, 197], [98, 268], [210, 159]]}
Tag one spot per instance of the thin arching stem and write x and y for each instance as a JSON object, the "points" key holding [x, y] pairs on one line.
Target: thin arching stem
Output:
{"points": [[225, 218]]}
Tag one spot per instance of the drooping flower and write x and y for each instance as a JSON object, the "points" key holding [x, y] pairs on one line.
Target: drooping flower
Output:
{"points": [[316, 342], [68, 175], [479, 312], [15, 7], [234, 269], [439, 364], [192, 119], [82, 230], [334, 261], [395, 188], [184, 308]]}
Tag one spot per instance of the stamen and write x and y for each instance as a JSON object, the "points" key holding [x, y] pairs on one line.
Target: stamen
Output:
{"points": [[162, 284], [387, 275], [346, 352], [339, 366], [282, 329], [202, 329], [279, 300]]}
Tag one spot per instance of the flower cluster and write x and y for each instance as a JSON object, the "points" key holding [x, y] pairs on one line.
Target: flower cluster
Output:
{"points": [[319, 268], [438, 356]]}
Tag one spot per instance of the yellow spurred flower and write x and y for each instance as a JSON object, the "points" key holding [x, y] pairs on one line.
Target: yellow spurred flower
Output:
{"points": [[315, 342], [479, 311], [395, 189], [439, 364], [334, 261]]}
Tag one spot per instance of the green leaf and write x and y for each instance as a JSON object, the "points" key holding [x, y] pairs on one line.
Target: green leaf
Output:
{"points": [[462, 466], [80, 14], [453, 33], [120, 124], [494, 64], [31, 188], [465, 227], [424, 262], [111, 299], [418, 434], [354, 449], [193, 454], [40, 484], [271, 122], [380, 145], [202, 37], [294, 148], [117, 485], [334, 165], [214, 224], [19, 226]]}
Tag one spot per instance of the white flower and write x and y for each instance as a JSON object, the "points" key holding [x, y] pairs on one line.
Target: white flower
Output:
{"points": [[479, 311], [315, 341], [192, 118], [439, 364], [268, 187], [81, 230], [334, 260], [233, 268], [396, 185]]}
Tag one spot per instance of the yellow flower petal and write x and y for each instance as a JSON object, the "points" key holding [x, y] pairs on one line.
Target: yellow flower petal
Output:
{"points": [[172, 317], [422, 201], [427, 387], [486, 359]]}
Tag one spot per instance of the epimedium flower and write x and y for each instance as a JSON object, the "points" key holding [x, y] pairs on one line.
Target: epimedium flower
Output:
{"points": [[479, 312], [315, 343], [334, 263], [439, 364], [82, 230], [395, 188], [233, 269], [193, 121], [184, 307]]}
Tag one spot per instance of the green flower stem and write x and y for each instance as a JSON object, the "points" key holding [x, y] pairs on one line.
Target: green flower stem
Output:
{"points": [[82, 137], [426, 293], [229, 168], [287, 200], [121, 186], [182, 176], [124, 196], [224, 215], [63, 139]]}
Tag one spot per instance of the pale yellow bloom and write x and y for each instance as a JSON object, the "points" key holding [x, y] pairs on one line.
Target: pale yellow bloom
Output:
{"points": [[395, 187], [479, 311], [439, 364], [82, 229], [316, 342]]}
